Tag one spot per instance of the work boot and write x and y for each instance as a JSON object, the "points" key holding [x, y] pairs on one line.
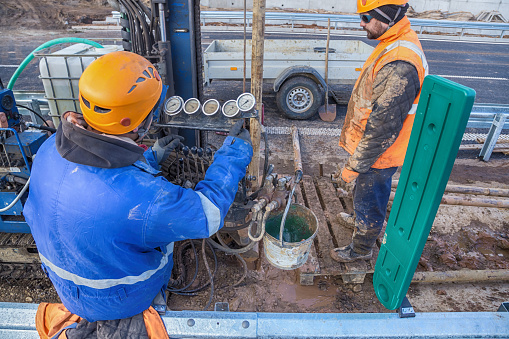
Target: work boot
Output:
{"points": [[346, 220], [347, 254]]}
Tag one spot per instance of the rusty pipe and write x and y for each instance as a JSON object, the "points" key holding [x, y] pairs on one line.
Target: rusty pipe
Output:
{"points": [[297, 160], [469, 201], [498, 192]]}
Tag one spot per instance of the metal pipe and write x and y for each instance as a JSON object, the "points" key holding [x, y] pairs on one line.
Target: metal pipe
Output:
{"points": [[297, 160], [498, 192], [162, 22], [469, 201], [16, 199], [461, 276]]}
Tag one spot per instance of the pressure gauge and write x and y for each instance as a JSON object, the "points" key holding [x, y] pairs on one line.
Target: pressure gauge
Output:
{"points": [[210, 107], [246, 102], [192, 106], [230, 108], [173, 105]]}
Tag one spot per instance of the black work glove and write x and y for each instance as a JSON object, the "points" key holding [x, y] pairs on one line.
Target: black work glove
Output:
{"points": [[237, 131], [164, 146]]}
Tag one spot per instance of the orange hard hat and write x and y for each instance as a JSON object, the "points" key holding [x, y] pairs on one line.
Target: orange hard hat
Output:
{"points": [[364, 6], [118, 91]]}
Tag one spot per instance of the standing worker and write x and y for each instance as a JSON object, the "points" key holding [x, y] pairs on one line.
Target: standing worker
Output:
{"points": [[378, 121], [103, 219]]}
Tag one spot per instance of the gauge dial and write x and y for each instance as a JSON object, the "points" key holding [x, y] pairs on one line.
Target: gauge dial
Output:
{"points": [[173, 105], [246, 102], [210, 107], [192, 106], [230, 108]]}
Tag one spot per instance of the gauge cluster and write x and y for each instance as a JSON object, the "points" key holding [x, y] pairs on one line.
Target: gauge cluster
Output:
{"points": [[209, 115]]}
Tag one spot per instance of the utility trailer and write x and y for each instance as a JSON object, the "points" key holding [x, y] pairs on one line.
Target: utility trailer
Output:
{"points": [[296, 68]]}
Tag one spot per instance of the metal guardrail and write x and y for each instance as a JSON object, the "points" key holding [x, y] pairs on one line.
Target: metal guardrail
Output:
{"points": [[482, 115], [18, 321], [336, 19]]}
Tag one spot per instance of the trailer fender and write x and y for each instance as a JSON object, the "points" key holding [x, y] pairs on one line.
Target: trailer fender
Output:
{"points": [[306, 71]]}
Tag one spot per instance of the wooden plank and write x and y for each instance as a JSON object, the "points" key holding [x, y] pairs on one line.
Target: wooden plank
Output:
{"points": [[324, 237], [333, 207]]}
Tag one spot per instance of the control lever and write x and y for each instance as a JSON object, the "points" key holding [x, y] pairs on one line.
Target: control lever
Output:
{"points": [[185, 151], [194, 151], [200, 155]]}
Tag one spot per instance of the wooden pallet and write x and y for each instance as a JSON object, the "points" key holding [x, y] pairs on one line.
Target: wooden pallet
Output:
{"points": [[319, 195]]}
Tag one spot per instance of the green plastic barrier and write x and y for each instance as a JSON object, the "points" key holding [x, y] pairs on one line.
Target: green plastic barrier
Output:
{"points": [[441, 118]]}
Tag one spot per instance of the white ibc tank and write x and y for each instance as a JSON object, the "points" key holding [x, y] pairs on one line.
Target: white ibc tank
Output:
{"points": [[60, 73]]}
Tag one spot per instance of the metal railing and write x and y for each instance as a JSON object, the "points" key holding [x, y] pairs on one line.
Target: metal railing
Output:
{"points": [[292, 18], [18, 321], [482, 115]]}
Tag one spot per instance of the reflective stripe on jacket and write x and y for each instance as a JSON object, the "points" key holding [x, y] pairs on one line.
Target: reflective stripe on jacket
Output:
{"points": [[400, 42], [105, 236]]}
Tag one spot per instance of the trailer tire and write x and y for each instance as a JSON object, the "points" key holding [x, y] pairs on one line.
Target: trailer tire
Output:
{"points": [[299, 98]]}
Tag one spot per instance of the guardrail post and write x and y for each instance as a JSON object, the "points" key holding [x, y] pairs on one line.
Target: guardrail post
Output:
{"points": [[492, 137]]}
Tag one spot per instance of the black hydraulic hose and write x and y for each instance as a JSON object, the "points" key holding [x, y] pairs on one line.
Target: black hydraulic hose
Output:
{"points": [[233, 228], [175, 290], [179, 265], [31, 110], [228, 250], [142, 16], [207, 283], [134, 26]]}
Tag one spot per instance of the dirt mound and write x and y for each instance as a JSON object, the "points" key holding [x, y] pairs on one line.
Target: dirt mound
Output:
{"points": [[51, 14]]}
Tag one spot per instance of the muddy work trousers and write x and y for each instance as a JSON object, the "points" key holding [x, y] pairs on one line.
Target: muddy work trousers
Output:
{"points": [[370, 199]]}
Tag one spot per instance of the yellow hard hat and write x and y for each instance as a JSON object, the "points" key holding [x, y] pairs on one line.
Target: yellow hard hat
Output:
{"points": [[118, 91], [364, 6]]}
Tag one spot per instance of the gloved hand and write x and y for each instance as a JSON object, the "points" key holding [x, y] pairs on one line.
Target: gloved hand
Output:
{"points": [[164, 146], [345, 179], [237, 131]]}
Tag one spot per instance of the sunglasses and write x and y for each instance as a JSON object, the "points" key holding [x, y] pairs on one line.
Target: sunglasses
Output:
{"points": [[366, 18]]}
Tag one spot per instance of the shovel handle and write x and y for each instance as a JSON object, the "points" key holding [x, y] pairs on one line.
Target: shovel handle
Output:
{"points": [[327, 54]]}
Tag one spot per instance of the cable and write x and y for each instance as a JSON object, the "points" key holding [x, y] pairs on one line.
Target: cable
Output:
{"points": [[228, 250], [244, 275], [31, 110], [206, 284], [17, 197], [180, 264]]}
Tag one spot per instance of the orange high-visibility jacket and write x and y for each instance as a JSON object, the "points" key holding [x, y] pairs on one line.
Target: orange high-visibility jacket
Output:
{"points": [[400, 42], [54, 320]]}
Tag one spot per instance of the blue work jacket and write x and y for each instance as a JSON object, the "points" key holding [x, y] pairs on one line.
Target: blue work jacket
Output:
{"points": [[105, 236]]}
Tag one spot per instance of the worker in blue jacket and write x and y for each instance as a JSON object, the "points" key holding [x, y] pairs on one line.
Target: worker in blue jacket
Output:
{"points": [[103, 220]]}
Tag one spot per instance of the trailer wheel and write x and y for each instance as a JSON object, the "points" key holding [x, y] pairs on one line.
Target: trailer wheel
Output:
{"points": [[299, 98]]}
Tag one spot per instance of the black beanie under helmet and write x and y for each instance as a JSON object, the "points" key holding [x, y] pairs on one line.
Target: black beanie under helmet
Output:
{"points": [[391, 11]]}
